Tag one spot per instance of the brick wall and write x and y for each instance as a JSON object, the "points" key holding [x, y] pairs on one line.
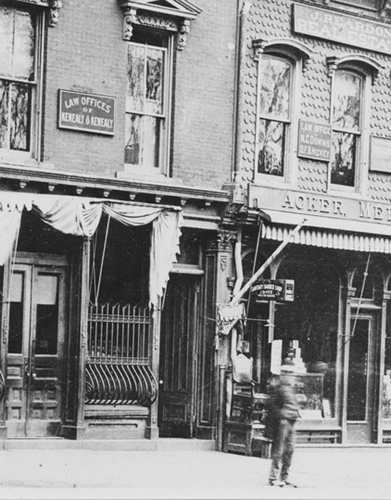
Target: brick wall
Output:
{"points": [[85, 52]]}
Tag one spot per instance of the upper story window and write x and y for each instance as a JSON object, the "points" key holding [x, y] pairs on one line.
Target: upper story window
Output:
{"points": [[147, 102], [274, 115], [19, 79], [348, 102], [152, 30], [281, 62]]}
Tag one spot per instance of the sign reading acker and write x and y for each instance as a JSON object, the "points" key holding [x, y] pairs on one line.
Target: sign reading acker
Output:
{"points": [[343, 28], [86, 112]]}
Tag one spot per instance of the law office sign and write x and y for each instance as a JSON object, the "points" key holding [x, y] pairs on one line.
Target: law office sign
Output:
{"points": [[342, 28], [314, 140], [86, 112]]}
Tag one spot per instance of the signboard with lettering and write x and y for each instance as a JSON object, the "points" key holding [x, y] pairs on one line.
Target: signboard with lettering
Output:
{"points": [[314, 140], [326, 210], [380, 155], [281, 290], [86, 112], [343, 28]]}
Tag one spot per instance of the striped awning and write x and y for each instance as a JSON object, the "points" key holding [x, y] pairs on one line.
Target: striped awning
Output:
{"points": [[340, 240]]}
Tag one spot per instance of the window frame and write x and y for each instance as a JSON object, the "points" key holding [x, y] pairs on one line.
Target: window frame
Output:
{"points": [[36, 89], [163, 167], [361, 159], [290, 160]]}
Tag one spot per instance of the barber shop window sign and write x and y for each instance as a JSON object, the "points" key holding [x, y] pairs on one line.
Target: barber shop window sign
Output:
{"points": [[281, 290]]}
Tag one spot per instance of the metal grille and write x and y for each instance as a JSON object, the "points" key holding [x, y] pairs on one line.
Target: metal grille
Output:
{"points": [[118, 362]]}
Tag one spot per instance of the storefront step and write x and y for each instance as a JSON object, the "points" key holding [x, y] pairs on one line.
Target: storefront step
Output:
{"points": [[164, 444]]}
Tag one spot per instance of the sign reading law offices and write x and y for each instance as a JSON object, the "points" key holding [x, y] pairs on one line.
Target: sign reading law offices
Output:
{"points": [[86, 112], [343, 28]]}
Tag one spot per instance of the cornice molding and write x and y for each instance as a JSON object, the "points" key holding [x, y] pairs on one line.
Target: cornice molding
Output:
{"points": [[128, 186], [168, 15], [372, 65]]}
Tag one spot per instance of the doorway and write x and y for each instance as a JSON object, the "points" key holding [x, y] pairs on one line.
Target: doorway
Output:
{"points": [[35, 358], [177, 373], [361, 393]]}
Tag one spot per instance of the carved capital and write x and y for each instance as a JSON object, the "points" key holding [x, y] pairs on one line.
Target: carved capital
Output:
{"points": [[224, 240], [54, 6]]}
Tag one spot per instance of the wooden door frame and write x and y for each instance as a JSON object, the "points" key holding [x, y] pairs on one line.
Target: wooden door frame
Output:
{"points": [[190, 271], [37, 260], [372, 312]]}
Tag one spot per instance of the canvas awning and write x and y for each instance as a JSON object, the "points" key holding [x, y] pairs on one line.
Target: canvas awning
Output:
{"points": [[81, 216]]}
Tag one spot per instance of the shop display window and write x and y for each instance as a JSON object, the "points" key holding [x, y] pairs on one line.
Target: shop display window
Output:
{"points": [[308, 328], [386, 395]]}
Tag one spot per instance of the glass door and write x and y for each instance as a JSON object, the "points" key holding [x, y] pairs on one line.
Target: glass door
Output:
{"points": [[361, 379], [36, 323]]}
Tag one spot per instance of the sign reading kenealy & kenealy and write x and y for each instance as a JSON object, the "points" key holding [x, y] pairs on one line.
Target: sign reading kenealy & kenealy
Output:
{"points": [[86, 112]]}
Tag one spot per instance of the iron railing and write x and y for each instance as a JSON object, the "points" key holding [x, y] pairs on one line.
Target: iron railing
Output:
{"points": [[118, 362]]}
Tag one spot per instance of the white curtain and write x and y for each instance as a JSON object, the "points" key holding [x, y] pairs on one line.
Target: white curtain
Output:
{"points": [[9, 229], [81, 217]]}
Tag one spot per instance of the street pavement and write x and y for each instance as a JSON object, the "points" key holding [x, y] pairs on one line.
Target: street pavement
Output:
{"points": [[320, 473]]}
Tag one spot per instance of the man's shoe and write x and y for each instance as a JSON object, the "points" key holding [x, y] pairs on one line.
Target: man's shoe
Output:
{"points": [[287, 484], [276, 482]]}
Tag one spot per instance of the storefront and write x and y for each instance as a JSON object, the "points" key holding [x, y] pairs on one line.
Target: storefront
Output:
{"points": [[336, 328], [82, 286]]}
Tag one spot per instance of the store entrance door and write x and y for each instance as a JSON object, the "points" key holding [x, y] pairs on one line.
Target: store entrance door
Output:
{"points": [[177, 395], [361, 378], [36, 321]]}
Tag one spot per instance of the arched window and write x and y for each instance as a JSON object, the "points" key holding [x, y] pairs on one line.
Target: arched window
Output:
{"points": [[274, 114], [347, 114]]}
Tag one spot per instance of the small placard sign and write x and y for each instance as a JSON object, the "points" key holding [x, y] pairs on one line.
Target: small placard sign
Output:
{"points": [[86, 112], [314, 140], [380, 155], [282, 290]]}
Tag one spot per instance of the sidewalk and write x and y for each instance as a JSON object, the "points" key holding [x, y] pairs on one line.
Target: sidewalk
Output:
{"points": [[65, 473]]}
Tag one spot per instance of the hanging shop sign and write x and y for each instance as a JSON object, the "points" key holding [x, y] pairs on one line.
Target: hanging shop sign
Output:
{"points": [[314, 140], [86, 112], [281, 290], [343, 28]]}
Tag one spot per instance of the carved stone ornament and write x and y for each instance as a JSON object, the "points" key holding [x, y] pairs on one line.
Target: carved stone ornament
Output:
{"points": [[168, 15], [224, 240], [376, 69], [54, 7]]}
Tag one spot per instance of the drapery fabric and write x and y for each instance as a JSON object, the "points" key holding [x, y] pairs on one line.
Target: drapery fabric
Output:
{"points": [[9, 228], [81, 216]]}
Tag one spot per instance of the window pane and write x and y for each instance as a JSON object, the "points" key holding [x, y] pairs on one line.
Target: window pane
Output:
{"points": [[6, 30], [154, 84], [24, 46], [142, 141], [271, 147], [20, 106], [275, 88], [47, 314], [346, 105], [16, 314], [358, 361], [343, 152], [136, 79], [4, 113]]}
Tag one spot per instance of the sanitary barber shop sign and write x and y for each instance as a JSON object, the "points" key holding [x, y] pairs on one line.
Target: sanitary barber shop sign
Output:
{"points": [[86, 112]]}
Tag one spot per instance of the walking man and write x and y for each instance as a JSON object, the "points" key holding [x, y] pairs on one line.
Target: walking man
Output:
{"points": [[283, 412]]}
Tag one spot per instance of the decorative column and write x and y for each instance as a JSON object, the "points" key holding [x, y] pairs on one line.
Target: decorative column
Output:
{"points": [[214, 350]]}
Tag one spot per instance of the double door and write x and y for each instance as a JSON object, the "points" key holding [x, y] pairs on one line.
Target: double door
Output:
{"points": [[36, 325]]}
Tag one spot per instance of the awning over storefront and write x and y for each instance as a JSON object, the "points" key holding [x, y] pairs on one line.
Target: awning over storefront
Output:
{"points": [[326, 238], [81, 216]]}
